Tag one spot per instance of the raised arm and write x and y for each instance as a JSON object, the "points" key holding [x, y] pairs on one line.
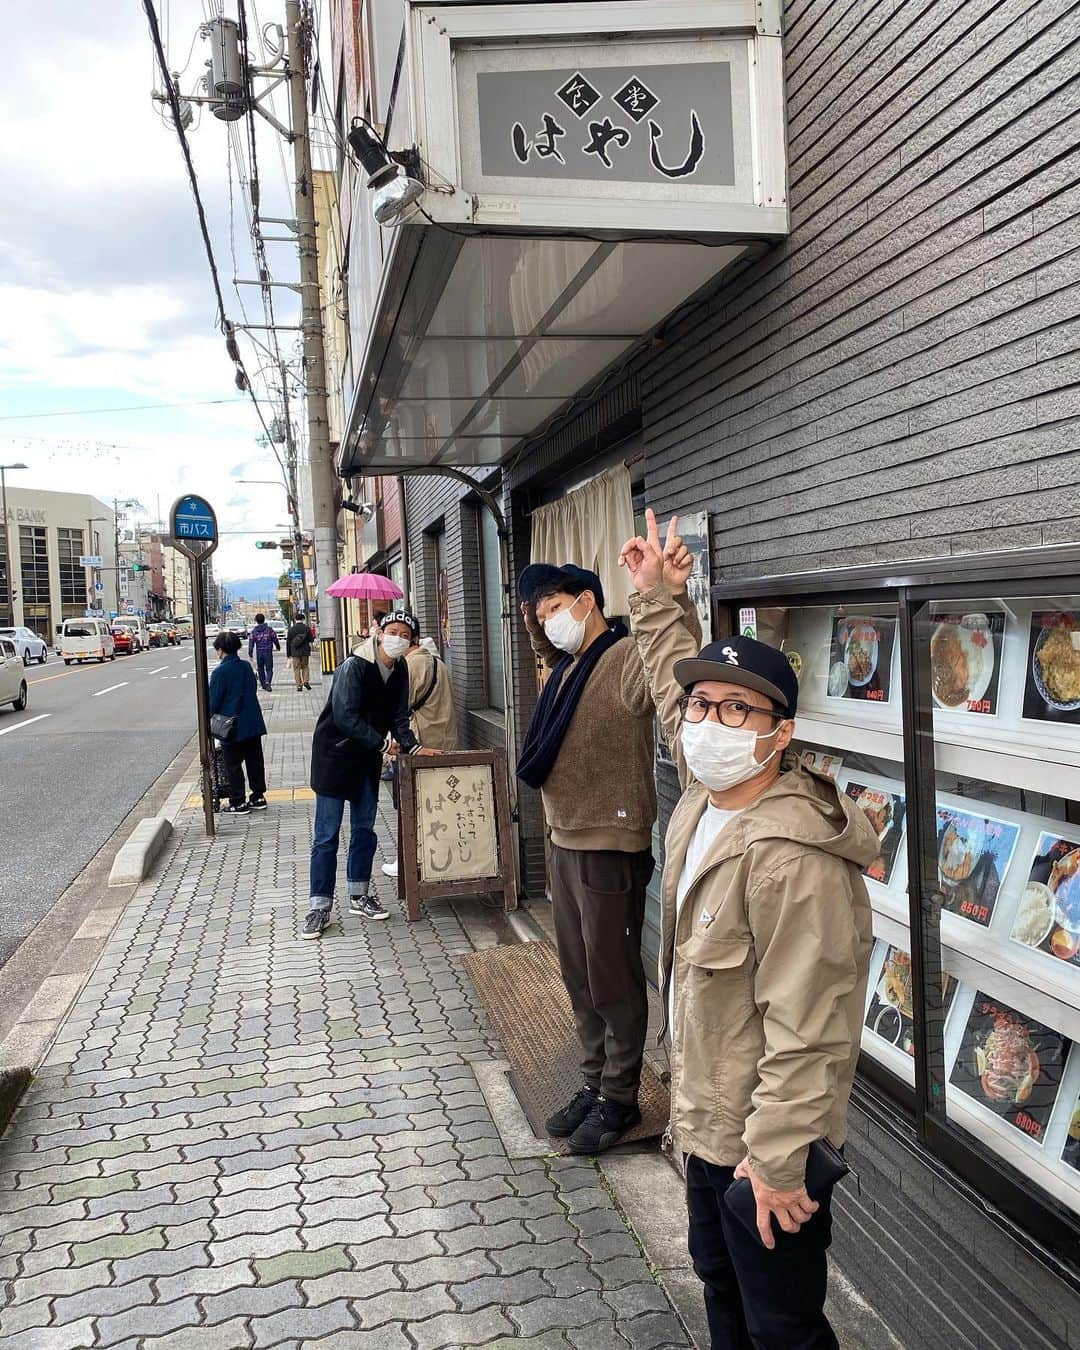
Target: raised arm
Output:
{"points": [[545, 650], [664, 625]]}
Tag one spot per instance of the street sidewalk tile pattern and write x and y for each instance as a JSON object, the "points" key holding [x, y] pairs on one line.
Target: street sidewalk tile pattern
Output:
{"points": [[240, 1139]]}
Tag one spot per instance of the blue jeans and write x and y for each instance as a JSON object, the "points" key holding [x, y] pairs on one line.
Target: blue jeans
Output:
{"points": [[265, 662], [329, 813]]}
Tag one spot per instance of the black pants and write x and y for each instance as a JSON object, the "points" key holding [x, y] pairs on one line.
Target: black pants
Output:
{"points": [[238, 756], [598, 904], [757, 1299]]}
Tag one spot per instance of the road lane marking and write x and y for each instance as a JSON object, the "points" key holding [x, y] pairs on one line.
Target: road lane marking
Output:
{"points": [[159, 670], [18, 725], [110, 688]]}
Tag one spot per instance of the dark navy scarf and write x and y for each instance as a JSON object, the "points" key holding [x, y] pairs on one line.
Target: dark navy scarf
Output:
{"points": [[552, 715]]}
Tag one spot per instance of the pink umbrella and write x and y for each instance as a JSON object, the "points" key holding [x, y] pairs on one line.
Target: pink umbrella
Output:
{"points": [[364, 586]]}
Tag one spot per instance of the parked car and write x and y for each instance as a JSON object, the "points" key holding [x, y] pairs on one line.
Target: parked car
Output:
{"points": [[87, 640], [156, 635], [171, 632], [27, 644], [12, 677], [123, 641]]}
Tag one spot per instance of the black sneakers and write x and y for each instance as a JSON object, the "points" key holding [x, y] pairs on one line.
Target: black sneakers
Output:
{"points": [[242, 810], [563, 1123], [605, 1125], [257, 803], [315, 922], [367, 907]]}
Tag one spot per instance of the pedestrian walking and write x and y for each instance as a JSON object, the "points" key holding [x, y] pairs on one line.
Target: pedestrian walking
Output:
{"points": [[365, 717], [432, 714], [262, 643], [764, 956], [589, 749], [298, 642], [233, 697]]}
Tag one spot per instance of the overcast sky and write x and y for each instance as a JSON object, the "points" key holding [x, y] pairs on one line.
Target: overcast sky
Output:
{"points": [[105, 294]]}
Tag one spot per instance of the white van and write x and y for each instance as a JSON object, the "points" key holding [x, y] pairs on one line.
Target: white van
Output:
{"points": [[86, 640]]}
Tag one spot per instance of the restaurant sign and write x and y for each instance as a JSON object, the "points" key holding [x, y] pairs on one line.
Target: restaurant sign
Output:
{"points": [[635, 124]]}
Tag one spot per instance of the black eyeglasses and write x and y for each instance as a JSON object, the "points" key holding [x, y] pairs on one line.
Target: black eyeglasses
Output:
{"points": [[732, 712]]}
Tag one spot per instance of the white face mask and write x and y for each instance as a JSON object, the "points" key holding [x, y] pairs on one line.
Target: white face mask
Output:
{"points": [[722, 757], [566, 632], [395, 646]]}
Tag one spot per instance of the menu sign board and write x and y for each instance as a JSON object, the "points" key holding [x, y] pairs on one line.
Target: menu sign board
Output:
{"points": [[1011, 1064], [973, 856], [890, 1014], [965, 662], [455, 823], [860, 657], [1052, 680], [885, 811], [1048, 916]]}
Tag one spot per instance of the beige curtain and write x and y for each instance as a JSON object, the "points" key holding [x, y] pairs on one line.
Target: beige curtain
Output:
{"points": [[589, 527]]}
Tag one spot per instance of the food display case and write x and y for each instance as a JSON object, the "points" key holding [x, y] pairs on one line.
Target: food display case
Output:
{"points": [[945, 701]]}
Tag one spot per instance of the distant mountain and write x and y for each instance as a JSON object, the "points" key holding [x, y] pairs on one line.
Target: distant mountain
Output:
{"points": [[253, 588]]}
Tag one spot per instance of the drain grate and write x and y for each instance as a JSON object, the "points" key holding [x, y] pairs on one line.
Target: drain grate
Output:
{"points": [[523, 992]]}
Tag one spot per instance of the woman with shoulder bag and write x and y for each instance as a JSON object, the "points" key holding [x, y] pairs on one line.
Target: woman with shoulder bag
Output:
{"points": [[237, 721]]}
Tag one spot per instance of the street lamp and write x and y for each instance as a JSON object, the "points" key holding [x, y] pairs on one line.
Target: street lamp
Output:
{"points": [[7, 539]]}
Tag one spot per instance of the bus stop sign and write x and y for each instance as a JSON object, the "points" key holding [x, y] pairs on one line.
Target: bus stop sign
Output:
{"points": [[193, 526]]}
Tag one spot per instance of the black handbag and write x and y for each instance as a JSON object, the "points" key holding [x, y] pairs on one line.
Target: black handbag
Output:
{"points": [[825, 1166], [222, 727]]}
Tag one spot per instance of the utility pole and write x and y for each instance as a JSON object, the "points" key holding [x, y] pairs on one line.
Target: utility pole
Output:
{"points": [[323, 476]]}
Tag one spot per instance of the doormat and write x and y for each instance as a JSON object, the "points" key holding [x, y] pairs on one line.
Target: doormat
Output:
{"points": [[522, 990]]}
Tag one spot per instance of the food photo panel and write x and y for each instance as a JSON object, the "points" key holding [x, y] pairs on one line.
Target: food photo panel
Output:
{"points": [[974, 852], [891, 1011], [886, 813], [965, 662], [1048, 916], [1071, 1152], [1011, 1064], [860, 658], [1052, 679]]}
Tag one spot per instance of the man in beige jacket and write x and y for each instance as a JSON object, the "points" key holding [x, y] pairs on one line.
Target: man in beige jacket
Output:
{"points": [[764, 954]]}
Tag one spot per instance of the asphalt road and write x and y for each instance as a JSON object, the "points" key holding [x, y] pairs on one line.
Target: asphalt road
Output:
{"points": [[91, 742]]}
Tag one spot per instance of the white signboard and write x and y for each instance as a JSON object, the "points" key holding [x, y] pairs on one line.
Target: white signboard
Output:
{"points": [[455, 823], [91, 560]]}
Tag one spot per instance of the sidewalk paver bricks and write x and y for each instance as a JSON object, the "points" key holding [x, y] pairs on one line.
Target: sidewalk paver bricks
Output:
{"points": [[242, 1140]]}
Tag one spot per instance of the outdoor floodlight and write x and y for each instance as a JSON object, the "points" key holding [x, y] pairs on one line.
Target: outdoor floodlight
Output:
{"points": [[394, 190]]}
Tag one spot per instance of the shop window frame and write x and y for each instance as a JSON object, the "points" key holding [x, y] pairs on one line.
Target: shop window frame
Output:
{"points": [[911, 586]]}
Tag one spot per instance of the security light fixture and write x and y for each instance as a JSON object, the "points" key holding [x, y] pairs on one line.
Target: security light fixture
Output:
{"points": [[395, 191]]}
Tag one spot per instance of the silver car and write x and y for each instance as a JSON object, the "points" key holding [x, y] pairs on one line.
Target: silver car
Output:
{"points": [[28, 645]]}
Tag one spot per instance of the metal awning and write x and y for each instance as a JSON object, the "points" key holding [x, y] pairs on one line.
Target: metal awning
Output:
{"points": [[479, 340]]}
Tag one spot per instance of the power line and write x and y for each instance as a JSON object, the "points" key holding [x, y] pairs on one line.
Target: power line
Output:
{"points": [[185, 148], [134, 407]]}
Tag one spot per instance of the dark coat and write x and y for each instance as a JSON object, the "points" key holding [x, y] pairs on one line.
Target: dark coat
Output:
{"points": [[233, 694], [298, 640], [363, 713]]}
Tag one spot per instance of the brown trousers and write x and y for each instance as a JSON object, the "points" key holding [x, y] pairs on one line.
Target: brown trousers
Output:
{"points": [[598, 903], [300, 670]]}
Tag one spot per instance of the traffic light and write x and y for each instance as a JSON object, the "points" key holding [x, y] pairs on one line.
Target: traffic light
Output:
{"points": [[139, 567], [265, 543]]}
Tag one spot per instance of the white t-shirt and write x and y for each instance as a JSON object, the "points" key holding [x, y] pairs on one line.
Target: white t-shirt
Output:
{"points": [[708, 827]]}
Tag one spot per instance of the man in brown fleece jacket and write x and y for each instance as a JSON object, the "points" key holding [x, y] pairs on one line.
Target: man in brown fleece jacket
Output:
{"points": [[589, 749]]}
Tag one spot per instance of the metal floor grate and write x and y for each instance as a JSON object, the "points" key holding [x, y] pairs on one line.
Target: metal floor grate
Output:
{"points": [[523, 992]]}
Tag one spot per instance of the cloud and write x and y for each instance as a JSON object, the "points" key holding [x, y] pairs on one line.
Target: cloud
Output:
{"points": [[105, 294]]}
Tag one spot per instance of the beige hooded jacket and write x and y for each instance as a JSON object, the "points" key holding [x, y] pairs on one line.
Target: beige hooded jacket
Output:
{"points": [[770, 953]]}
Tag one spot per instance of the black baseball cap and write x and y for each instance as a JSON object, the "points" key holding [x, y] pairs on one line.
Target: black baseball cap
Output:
{"points": [[400, 616], [745, 661], [542, 576]]}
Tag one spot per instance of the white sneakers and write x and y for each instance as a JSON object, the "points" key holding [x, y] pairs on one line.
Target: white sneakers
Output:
{"points": [[390, 869]]}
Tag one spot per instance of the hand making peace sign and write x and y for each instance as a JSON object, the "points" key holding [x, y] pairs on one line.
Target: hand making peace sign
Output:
{"points": [[648, 564]]}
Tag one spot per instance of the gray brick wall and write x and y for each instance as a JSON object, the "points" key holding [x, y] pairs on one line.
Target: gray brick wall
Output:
{"points": [[900, 378]]}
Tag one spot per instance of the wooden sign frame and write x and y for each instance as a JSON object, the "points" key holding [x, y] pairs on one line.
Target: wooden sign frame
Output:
{"points": [[411, 888]]}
